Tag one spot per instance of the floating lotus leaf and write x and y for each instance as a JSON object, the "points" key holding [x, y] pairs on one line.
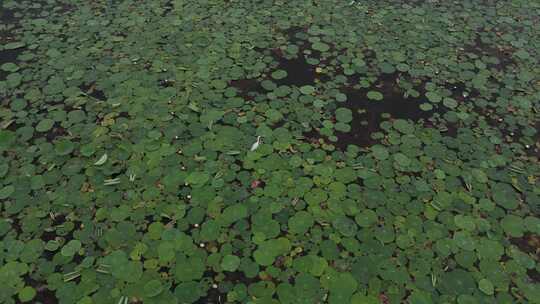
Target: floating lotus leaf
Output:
{"points": [[44, 125], [374, 95], [71, 248], [486, 286], [457, 282], [279, 74], [513, 225], [307, 89], [230, 262], [300, 222], [197, 178], [397, 160], [9, 67], [344, 115], [320, 46], [153, 288], [27, 294], [7, 191]]}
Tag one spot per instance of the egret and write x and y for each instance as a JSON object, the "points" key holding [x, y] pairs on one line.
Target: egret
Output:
{"points": [[256, 144]]}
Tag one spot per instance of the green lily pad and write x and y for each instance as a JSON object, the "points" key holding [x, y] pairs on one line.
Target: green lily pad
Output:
{"points": [[7, 191], [9, 67], [457, 282], [64, 147], [27, 294], [319, 46], [358, 298], [374, 95], [486, 287], [307, 89], [513, 225], [366, 218], [279, 74], [450, 103], [153, 288], [433, 97], [13, 45], [197, 178], [44, 125], [426, 106], [230, 263], [71, 248], [301, 222], [344, 115]]}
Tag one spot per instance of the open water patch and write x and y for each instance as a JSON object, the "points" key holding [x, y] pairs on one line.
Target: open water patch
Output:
{"points": [[391, 104]]}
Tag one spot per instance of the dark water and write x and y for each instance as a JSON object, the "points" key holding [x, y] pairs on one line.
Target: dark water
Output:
{"points": [[247, 88], [8, 22], [369, 114], [213, 296], [217, 296], [93, 91], [9, 55], [299, 72], [43, 294], [529, 243], [480, 48]]}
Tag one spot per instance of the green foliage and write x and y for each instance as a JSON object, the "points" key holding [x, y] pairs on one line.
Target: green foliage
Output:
{"points": [[397, 158], [344, 115], [230, 263], [27, 294], [374, 95]]}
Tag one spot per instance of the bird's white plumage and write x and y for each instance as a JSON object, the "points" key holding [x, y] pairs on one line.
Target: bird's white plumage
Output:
{"points": [[256, 144]]}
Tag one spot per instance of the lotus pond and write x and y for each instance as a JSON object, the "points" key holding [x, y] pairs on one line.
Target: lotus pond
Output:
{"points": [[397, 160]]}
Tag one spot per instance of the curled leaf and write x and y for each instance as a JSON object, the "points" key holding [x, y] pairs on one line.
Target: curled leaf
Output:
{"points": [[101, 160], [112, 181]]}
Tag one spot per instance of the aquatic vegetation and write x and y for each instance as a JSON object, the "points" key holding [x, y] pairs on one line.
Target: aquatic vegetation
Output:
{"points": [[226, 151]]}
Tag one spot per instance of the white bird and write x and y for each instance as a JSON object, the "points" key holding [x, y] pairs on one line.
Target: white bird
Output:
{"points": [[256, 144]]}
